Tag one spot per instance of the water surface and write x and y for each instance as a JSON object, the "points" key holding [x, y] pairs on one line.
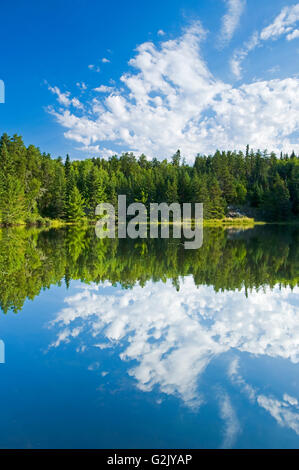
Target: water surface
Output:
{"points": [[142, 344]]}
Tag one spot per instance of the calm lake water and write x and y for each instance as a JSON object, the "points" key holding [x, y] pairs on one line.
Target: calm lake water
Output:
{"points": [[142, 344]]}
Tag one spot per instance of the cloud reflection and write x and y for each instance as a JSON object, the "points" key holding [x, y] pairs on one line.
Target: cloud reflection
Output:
{"points": [[172, 336]]}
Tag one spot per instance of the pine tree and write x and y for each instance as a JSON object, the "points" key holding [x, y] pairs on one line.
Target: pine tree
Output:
{"points": [[277, 204], [184, 186], [95, 190], [171, 193], [294, 189], [58, 191], [70, 183], [67, 166], [176, 159], [217, 204], [33, 185], [201, 194], [228, 186], [75, 206]]}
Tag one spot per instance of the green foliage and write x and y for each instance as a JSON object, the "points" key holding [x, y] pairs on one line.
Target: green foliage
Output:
{"points": [[95, 192], [75, 206], [34, 186], [12, 201], [34, 259], [277, 204], [217, 202]]}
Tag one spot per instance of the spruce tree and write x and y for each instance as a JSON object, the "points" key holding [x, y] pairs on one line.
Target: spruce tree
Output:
{"points": [[201, 194], [277, 204], [95, 190], [217, 205], [75, 206]]}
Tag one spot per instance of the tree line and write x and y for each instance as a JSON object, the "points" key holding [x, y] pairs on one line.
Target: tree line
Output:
{"points": [[35, 187]]}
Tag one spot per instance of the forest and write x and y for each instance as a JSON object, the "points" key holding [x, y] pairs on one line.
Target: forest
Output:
{"points": [[35, 188]]}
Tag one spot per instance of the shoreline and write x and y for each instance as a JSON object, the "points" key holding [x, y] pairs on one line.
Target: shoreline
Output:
{"points": [[226, 222]]}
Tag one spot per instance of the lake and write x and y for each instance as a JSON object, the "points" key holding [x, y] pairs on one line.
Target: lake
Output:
{"points": [[143, 344]]}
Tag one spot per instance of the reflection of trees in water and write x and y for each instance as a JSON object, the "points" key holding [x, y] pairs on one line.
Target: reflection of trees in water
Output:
{"points": [[31, 260]]}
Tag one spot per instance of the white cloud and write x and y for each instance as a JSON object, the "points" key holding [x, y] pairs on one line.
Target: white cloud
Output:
{"points": [[161, 32], [231, 20], [232, 426], [285, 413], [164, 106], [81, 85], [283, 23], [64, 98], [94, 366], [169, 337], [105, 60], [240, 54], [104, 89], [274, 69], [237, 379], [95, 68], [293, 35], [291, 400]]}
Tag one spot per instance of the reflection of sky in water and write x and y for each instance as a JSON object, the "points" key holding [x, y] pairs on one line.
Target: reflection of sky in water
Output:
{"points": [[169, 338], [100, 366]]}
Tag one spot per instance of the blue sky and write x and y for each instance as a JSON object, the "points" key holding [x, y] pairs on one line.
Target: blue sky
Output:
{"points": [[195, 75]]}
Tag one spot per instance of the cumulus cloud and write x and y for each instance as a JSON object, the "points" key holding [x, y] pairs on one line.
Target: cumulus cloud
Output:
{"points": [[231, 20], [169, 338], [162, 106]]}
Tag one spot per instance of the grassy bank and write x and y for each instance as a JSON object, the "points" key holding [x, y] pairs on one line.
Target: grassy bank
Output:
{"points": [[59, 223], [225, 222]]}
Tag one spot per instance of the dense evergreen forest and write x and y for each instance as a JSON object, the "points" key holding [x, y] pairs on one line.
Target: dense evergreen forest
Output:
{"points": [[35, 188], [34, 259]]}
